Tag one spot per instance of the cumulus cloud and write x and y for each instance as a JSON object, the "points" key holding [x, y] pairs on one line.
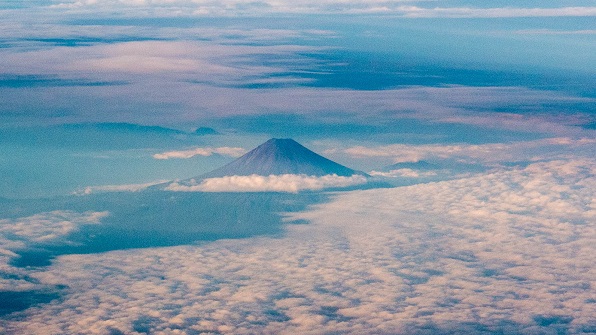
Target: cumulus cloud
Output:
{"points": [[505, 252], [18, 234], [274, 183], [226, 151], [48, 226]]}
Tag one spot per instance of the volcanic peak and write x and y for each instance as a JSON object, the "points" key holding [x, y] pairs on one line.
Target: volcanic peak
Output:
{"points": [[281, 156]]}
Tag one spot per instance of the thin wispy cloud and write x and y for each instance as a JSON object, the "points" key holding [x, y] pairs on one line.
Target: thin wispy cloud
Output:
{"points": [[555, 32], [117, 188], [407, 173], [190, 60], [470, 12], [195, 102], [184, 154], [33, 33]]}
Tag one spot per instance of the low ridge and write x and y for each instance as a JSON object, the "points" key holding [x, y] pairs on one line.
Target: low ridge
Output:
{"points": [[419, 165]]}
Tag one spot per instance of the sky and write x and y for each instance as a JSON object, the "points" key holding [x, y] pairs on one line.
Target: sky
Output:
{"points": [[476, 122]]}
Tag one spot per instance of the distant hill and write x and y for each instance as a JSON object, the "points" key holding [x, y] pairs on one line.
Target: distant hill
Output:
{"points": [[201, 131], [420, 165]]}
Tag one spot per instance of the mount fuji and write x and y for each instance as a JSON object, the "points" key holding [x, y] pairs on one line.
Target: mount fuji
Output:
{"points": [[280, 156]]}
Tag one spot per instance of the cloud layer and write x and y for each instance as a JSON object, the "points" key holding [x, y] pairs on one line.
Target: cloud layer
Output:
{"points": [[505, 252], [477, 153], [185, 75], [405, 8], [274, 183]]}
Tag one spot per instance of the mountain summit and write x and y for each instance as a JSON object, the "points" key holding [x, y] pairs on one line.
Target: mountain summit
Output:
{"points": [[281, 156]]}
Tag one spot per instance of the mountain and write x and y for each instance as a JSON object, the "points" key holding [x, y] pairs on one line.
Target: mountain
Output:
{"points": [[281, 156]]}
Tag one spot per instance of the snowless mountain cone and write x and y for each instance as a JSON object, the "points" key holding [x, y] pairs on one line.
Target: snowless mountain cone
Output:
{"points": [[281, 156]]}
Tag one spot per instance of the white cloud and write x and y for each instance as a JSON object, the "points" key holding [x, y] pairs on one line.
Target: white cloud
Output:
{"points": [[226, 151], [183, 60], [470, 12], [274, 183], [117, 188], [48, 226], [18, 234], [479, 153], [505, 252], [407, 173]]}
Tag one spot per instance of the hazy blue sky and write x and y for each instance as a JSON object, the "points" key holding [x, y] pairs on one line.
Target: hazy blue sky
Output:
{"points": [[487, 109]]}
